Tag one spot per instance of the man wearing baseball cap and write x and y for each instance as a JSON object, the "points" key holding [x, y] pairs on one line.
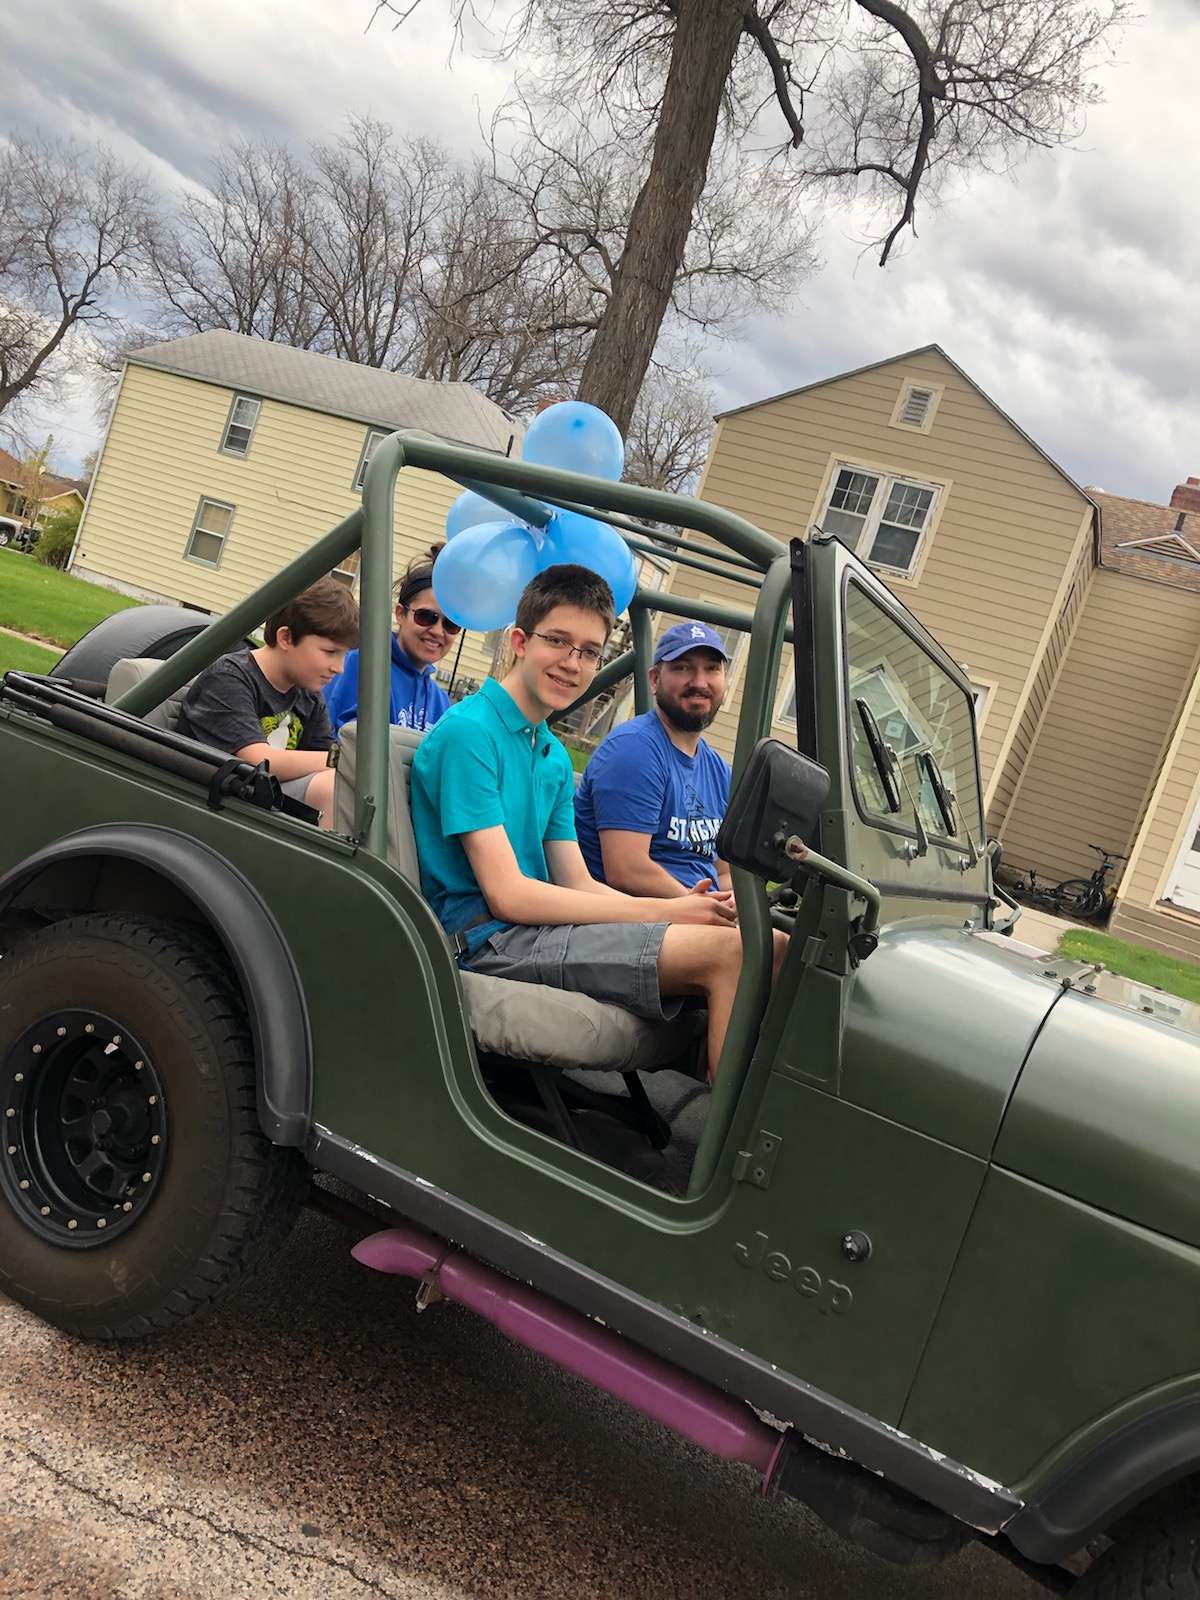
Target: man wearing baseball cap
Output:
{"points": [[654, 793]]}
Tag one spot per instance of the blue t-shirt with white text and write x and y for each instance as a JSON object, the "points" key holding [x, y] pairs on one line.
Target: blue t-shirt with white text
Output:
{"points": [[638, 781]]}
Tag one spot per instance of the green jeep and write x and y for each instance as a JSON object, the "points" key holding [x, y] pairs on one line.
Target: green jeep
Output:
{"points": [[927, 1257]]}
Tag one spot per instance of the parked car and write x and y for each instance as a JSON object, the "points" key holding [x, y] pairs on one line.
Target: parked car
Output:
{"points": [[927, 1257], [16, 535]]}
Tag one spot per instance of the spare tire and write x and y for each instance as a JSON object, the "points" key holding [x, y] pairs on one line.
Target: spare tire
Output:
{"points": [[150, 632]]}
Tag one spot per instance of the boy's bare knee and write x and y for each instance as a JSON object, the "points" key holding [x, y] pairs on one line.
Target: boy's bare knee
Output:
{"points": [[319, 795]]}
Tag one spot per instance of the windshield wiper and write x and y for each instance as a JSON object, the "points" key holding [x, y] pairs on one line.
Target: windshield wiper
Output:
{"points": [[884, 759], [945, 798]]}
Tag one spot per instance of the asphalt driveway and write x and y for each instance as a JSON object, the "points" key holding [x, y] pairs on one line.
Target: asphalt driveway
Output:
{"points": [[317, 1436]]}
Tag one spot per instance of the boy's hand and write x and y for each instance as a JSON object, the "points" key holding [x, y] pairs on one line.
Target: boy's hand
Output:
{"points": [[705, 910], [725, 896]]}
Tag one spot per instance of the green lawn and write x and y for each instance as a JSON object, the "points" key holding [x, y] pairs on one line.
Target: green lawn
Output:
{"points": [[17, 656], [1133, 961], [51, 605], [579, 758]]}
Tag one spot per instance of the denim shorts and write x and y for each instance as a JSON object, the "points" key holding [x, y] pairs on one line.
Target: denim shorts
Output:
{"points": [[612, 961]]}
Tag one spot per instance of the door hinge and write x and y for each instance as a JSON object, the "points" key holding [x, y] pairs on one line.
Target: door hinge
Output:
{"points": [[758, 1163]]}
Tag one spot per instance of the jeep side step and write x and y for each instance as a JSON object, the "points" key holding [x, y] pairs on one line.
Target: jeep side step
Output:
{"points": [[726, 1427]]}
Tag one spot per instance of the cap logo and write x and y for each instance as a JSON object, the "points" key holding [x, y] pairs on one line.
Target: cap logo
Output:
{"points": [[697, 631]]}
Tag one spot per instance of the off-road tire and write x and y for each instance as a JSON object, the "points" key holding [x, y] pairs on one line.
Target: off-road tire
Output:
{"points": [[1155, 1554], [224, 1197]]}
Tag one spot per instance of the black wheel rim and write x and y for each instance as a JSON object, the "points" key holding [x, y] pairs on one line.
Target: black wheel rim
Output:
{"points": [[85, 1128]]}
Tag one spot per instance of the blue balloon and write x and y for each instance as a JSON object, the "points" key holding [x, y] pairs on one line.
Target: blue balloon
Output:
{"points": [[578, 437], [479, 576], [468, 511], [571, 537]]}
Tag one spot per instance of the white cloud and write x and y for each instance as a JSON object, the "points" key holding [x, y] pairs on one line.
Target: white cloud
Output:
{"points": [[1065, 291]]}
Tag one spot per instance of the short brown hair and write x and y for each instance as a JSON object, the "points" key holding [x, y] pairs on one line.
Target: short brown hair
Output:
{"points": [[328, 608], [565, 585]]}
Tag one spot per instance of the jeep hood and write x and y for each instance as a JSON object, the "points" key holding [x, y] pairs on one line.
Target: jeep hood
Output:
{"points": [[1107, 1109]]}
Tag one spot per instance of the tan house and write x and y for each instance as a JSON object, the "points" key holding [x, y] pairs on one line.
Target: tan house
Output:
{"points": [[974, 526], [57, 494], [1075, 613], [226, 456]]}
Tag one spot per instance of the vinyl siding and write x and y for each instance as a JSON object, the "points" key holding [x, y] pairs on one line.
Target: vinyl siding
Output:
{"points": [[1113, 708], [162, 453], [992, 567], [1024, 733]]}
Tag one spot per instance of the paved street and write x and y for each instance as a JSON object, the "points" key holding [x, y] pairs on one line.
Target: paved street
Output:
{"points": [[318, 1437]]}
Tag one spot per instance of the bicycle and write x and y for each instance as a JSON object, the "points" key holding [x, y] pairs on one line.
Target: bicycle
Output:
{"points": [[1075, 897]]}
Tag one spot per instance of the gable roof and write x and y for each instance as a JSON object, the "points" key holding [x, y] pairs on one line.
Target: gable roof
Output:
{"points": [[908, 355], [10, 474], [1148, 540], [258, 367]]}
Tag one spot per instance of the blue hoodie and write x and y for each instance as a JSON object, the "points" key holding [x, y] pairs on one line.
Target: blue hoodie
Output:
{"points": [[417, 699]]}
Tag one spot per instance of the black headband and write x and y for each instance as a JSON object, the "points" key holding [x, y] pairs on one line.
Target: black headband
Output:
{"points": [[412, 585]]}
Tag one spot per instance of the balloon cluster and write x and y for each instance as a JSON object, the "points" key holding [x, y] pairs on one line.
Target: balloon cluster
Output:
{"points": [[479, 576]]}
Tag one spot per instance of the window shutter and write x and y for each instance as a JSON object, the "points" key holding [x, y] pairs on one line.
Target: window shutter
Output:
{"points": [[916, 407]]}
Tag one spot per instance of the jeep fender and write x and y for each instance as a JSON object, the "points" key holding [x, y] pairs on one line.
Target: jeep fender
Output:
{"points": [[234, 911], [1134, 1463]]}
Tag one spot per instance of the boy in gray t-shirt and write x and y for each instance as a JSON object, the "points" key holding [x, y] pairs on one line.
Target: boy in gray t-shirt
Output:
{"points": [[267, 704]]}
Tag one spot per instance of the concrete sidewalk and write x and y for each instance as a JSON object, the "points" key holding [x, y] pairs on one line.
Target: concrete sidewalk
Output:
{"points": [[1041, 929]]}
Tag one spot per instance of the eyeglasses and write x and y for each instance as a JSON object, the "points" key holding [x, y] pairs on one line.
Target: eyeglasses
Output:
{"points": [[589, 654], [427, 617]]}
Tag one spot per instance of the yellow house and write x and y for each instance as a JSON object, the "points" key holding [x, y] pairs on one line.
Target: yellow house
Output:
{"points": [[979, 532], [1076, 613], [58, 494], [225, 456]]}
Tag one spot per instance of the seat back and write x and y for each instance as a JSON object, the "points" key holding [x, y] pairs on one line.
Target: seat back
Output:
{"points": [[131, 670], [401, 842]]}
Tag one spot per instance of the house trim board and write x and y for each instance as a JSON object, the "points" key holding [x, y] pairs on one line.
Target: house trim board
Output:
{"points": [[99, 468], [909, 355], [1060, 595]]}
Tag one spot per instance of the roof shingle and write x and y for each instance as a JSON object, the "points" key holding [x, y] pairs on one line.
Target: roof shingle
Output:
{"points": [[1148, 540], [453, 411]]}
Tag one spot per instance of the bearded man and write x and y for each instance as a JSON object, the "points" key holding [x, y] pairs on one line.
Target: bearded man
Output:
{"points": [[654, 793]]}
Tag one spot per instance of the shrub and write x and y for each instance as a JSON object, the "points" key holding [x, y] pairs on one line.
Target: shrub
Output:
{"points": [[53, 547]]}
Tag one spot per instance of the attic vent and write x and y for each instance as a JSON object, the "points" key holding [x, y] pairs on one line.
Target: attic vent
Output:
{"points": [[916, 408]]}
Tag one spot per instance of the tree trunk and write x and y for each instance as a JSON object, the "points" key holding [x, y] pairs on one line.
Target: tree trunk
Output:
{"points": [[706, 37]]}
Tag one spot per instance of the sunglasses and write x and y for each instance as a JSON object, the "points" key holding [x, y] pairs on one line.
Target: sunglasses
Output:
{"points": [[427, 617]]}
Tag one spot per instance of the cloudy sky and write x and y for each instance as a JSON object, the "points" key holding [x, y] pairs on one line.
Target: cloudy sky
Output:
{"points": [[1067, 292]]}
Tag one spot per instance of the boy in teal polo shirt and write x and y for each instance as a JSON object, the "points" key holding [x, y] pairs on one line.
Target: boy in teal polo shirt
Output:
{"points": [[493, 812]]}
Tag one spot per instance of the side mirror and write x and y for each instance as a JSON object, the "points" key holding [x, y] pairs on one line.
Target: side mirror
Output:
{"points": [[778, 796]]}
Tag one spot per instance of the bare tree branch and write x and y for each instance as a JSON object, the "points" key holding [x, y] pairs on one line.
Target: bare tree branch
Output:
{"points": [[74, 231]]}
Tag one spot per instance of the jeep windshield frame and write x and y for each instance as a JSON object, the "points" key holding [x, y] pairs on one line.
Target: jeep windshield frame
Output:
{"points": [[744, 554]]}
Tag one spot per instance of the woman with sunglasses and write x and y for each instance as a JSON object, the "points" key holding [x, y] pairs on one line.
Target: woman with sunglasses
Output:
{"points": [[422, 637]]}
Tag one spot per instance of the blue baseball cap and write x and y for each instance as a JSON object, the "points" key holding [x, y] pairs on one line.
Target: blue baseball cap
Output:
{"points": [[685, 636]]}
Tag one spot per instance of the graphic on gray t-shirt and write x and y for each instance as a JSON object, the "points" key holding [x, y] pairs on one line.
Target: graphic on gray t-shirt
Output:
{"points": [[232, 704]]}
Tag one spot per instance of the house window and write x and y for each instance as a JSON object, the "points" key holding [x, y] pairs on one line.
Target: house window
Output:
{"points": [[882, 517], [734, 641], [981, 694], [785, 707], [368, 450], [239, 430], [915, 406], [207, 540]]}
